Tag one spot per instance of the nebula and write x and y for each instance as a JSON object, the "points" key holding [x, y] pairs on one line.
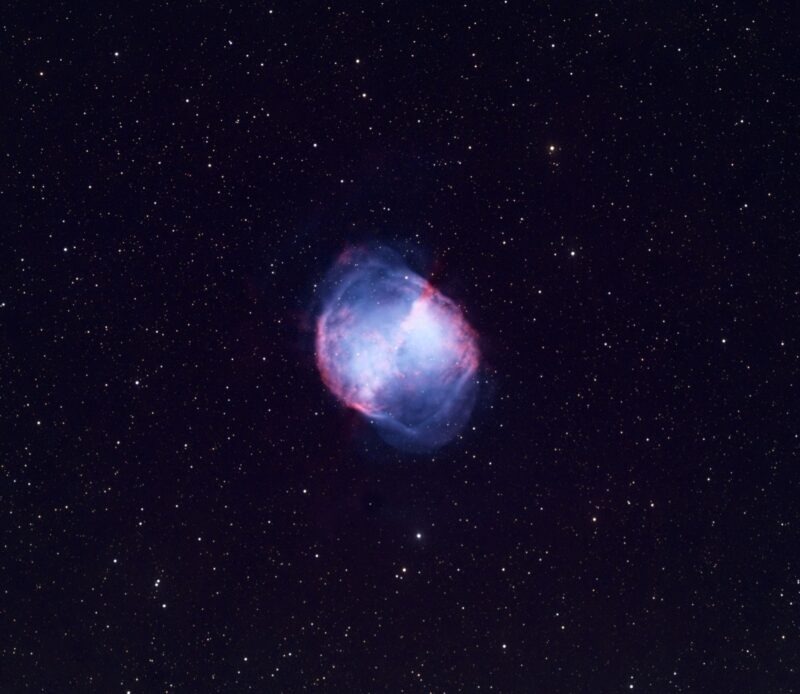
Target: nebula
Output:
{"points": [[392, 347]]}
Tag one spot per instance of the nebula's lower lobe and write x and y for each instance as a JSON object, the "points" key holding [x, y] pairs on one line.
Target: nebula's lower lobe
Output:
{"points": [[395, 349]]}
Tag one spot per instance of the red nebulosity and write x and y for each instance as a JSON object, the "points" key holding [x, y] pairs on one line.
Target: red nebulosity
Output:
{"points": [[392, 347], [332, 335]]}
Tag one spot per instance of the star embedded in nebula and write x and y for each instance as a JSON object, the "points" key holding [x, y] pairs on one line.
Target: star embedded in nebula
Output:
{"points": [[394, 348]]}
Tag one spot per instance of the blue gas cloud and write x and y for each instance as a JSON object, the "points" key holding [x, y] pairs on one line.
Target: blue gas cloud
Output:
{"points": [[392, 347]]}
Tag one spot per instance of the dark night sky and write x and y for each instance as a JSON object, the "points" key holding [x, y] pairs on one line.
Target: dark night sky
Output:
{"points": [[609, 192]]}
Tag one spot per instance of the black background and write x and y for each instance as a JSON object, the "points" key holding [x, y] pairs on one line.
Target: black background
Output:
{"points": [[610, 193]]}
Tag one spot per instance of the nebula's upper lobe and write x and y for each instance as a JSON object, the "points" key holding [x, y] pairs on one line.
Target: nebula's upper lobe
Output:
{"points": [[394, 348]]}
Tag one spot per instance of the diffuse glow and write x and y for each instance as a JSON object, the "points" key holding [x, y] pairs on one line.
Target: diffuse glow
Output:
{"points": [[392, 347]]}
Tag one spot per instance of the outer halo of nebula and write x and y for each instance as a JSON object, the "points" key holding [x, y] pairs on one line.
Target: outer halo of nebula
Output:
{"points": [[392, 347]]}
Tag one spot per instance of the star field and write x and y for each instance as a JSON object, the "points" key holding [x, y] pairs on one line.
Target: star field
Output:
{"points": [[608, 193]]}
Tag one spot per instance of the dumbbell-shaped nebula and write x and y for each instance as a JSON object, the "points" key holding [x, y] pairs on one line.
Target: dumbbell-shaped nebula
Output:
{"points": [[392, 347]]}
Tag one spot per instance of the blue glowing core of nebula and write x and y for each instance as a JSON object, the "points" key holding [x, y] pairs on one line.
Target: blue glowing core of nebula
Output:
{"points": [[392, 347]]}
